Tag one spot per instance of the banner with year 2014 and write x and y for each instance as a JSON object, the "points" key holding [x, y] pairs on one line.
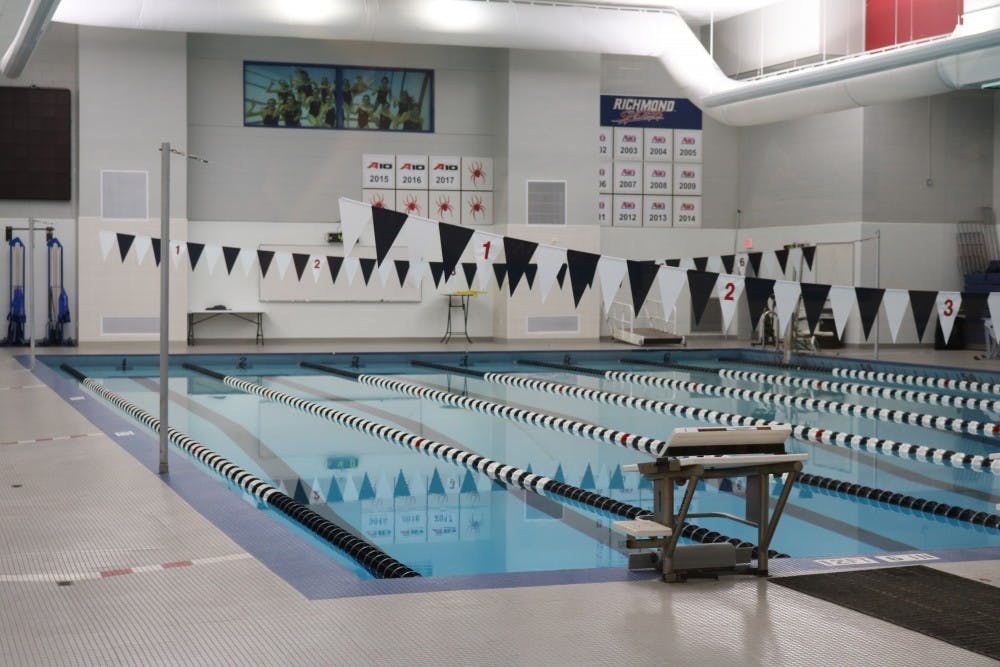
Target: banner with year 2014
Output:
{"points": [[650, 151]]}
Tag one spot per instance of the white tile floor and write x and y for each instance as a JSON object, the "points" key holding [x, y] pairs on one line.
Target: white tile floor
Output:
{"points": [[72, 508]]}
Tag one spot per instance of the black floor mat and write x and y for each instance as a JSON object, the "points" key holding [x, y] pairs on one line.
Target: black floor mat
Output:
{"points": [[953, 609]]}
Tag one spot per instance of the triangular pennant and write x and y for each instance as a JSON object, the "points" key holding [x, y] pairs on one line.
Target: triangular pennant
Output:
{"points": [[617, 480], [177, 250], [367, 266], [561, 276], [741, 264], [729, 287], [922, 304], [671, 281], [895, 302], [418, 270], [582, 267], [782, 257], [246, 262], [213, 252], [469, 269], [333, 264], [672, 262], [529, 274], [301, 261], [587, 481], [755, 258], [786, 301], [264, 258], [107, 240], [436, 487], [714, 264], [813, 300], [124, 243], [795, 259], [808, 253], [156, 250], [437, 268], [350, 490], [500, 271], [194, 251], [384, 270], [550, 262], [230, 254], [728, 262], [367, 491], [700, 263], [869, 301], [701, 284], [842, 301], [454, 240], [316, 495], [418, 234], [948, 304], [334, 494], [387, 225], [142, 245], [974, 305], [316, 263], [518, 253], [468, 483], [282, 260], [354, 217], [758, 291], [402, 267], [611, 271], [401, 488], [687, 263], [640, 278]]}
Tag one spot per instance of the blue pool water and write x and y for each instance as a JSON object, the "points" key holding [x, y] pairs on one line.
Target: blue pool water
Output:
{"points": [[442, 520]]}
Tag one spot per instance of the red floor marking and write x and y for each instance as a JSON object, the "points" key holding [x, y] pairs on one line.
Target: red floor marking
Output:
{"points": [[115, 573]]}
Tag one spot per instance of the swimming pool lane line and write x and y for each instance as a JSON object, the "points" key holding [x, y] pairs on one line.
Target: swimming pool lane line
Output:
{"points": [[688, 530], [521, 415], [370, 557], [495, 470], [918, 380]]}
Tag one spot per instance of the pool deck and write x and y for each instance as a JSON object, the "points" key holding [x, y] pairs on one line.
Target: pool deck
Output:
{"points": [[102, 562]]}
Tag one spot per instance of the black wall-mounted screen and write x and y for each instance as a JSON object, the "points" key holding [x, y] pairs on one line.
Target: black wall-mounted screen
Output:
{"points": [[35, 157]]}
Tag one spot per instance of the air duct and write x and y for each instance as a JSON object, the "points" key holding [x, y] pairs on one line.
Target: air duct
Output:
{"points": [[961, 60], [36, 20]]}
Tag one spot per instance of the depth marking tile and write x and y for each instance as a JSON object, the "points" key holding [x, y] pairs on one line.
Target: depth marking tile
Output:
{"points": [[117, 572], [52, 438]]}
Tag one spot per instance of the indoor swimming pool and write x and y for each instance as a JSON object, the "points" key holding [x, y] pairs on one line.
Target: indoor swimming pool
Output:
{"points": [[367, 442]]}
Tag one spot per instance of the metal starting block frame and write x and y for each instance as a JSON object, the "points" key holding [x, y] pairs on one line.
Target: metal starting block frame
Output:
{"points": [[755, 453]]}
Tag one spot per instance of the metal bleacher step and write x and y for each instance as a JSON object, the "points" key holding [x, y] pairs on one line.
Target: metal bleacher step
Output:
{"points": [[649, 336]]}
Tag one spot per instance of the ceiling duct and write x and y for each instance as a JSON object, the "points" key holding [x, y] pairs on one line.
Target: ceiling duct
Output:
{"points": [[36, 20]]}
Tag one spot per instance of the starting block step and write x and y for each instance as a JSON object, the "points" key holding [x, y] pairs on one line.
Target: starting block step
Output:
{"points": [[642, 528]]}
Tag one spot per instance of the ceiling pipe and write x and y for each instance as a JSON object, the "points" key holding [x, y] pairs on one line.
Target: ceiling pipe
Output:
{"points": [[36, 20], [908, 72]]}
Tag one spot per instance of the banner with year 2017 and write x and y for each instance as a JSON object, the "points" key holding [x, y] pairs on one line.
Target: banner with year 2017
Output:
{"points": [[650, 172]]}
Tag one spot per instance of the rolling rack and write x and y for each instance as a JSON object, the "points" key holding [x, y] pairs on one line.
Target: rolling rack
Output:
{"points": [[696, 454]]}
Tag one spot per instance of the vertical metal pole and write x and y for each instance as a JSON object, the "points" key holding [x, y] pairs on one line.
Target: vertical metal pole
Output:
{"points": [[164, 299], [878, 257], [29, 297]]}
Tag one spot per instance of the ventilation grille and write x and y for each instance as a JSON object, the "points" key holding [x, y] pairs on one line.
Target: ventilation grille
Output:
{"points": [[124, 195], [546, 202], [130, 325], [711, 319], [541, 324]]}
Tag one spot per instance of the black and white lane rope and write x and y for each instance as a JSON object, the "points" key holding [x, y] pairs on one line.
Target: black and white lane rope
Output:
{"points": [[688, 530], [918, 380], [495, 470], [521, 415], [373, 559], [807, 433]]}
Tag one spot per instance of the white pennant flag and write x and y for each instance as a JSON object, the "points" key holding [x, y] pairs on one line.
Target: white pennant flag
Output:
{"points": [[246, 259], [385, 269], [895, 301], [687, 263], [795, 261], [729, 289], [993, 303], [355, 217], [317, 495], [349, 490], [418, 234], [611, 271], [212, 254], [549, 260], [316, 264], [741, 263], [486, 248], [714, 265], [671, 281], [842, 300], [141, 245], [177, 250], [418, 270], [769, 266], [282, 260], [948, 304], [350, 268], [107, 241], [786, 301]]}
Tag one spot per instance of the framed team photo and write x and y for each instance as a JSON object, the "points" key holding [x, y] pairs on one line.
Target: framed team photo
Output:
{"points": [[290, 95]]}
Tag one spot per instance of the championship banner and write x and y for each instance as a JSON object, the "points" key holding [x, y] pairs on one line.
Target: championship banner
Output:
{"points": [[653, 112]]}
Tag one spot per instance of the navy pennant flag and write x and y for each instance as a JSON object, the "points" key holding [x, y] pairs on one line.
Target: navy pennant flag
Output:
{"points": [[367, 266], [230, 255], [700, 263], [640, 278], [869, 301], [782, 257], [156, 250], [728, 261], [300, 259], [672, 262], [518, 254], [194, 253], [500, 271], [921, 303], [758, 290], [701, 284], [813, 299], [124, 243], [561, 276], [469, 269], [582, 269], [437, 268], [386, 225], [754, 258], [334, 264], [808, 253], [454, 240], [530, 272], [402, 268], [264, 258]]}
